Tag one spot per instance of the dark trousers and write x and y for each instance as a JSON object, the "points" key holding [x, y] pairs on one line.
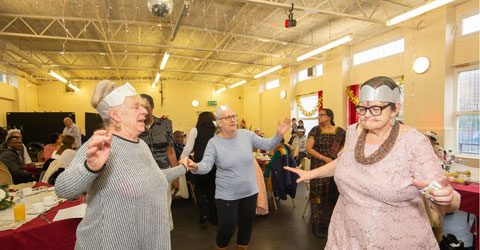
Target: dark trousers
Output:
{"points": [[205, 194], [231, 213]]}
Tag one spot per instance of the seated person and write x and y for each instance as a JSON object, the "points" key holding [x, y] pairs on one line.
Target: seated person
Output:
{"points": [[277, 155], [178, 139], [433, 137], [65, 153], [54, 144], [300, 140], [11, 154]]}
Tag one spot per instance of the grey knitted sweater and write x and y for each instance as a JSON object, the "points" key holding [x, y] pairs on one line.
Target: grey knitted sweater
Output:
{"points": [[127, 199]]}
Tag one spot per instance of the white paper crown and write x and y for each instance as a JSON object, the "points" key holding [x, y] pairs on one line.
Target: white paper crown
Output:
{"points": [[220, 110], [380, 94], [114, 98]]}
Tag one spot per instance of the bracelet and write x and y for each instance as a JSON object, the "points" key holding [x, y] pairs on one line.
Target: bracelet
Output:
{"points": [[186, 170], [91, 171]]}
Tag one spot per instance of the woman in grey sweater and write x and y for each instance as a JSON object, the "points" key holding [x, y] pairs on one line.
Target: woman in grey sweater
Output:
{"points": [[126, 190], [236, 185]]}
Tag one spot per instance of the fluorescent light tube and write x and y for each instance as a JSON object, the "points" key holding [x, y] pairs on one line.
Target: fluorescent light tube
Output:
{"points": [[325, 47], [220, 90], [164, 61], [73, 87], [153, 84], [268, 71], [157, 77], [418, 11], [57, 76], [237, 84]]}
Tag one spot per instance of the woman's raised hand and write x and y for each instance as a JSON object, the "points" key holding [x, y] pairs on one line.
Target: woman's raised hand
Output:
{"points": [[304, 175], [98, 149], [283, 126]]}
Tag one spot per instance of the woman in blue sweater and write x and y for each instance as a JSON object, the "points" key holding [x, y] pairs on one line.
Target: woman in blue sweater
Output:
{"points": [[236, 186]]}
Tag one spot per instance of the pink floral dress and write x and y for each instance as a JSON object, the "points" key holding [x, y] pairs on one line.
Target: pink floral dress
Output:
{"points": [[379, 207]]}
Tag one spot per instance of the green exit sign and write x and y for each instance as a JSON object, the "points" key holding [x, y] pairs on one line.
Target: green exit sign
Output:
{"points": [[212, 103]]}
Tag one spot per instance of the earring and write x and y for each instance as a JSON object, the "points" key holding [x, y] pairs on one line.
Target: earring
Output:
{"points": [[392, 121], [118, 126]]}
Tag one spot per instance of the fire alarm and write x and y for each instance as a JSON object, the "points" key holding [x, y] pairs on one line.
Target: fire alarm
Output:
{"points": [[290, 22]]}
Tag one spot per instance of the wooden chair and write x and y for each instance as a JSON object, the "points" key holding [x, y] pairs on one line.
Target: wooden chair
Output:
{"points": [[305, 165], [40, 156], [54, 166], [5, 176], [192, 190]]}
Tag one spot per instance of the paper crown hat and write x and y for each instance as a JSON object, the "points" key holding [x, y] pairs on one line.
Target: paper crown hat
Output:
{"points": [[114, 98], [380, 94], [220, 110]]}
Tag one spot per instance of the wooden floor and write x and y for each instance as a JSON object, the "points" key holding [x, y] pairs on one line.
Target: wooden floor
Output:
{"points": [[284, 229]]}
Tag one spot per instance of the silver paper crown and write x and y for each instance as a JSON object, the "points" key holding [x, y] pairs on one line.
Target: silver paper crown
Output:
{"points": [[220, 110], [114, 98], [380, 94]]}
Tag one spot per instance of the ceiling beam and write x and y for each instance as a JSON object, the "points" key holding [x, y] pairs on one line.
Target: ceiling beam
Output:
{"points": [[315, 11]]}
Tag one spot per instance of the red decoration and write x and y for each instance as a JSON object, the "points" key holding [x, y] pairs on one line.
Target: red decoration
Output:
{"points": [[243, 124], [352, 114]]}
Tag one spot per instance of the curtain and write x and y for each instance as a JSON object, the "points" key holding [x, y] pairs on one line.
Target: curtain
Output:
{"points": [[352, 115]]}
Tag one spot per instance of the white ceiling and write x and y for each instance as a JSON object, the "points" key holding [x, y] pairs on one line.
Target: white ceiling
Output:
{"points": [[218, 41]]}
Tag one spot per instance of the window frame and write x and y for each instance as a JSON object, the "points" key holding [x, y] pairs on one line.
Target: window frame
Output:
{"points": [[459, 23], [457, 113], [463, 17], [298, 112], [316, 72], [266, 83], [377, 46]]}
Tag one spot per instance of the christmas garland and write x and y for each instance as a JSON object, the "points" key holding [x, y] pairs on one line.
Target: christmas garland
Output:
{"points": [[5, 199], [313, 111]]}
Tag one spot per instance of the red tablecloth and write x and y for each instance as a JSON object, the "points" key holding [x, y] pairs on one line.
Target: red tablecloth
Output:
{"points": [[38, 234], [469, 202], [32, 169]]}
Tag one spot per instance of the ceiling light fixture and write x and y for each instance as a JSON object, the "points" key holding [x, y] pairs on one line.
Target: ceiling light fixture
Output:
{"points": [[157, 77], [418, 11], [73, 87], [57, 76], [268, 71], [220, 90], [237, 84], [331, 45], [164, 61]]}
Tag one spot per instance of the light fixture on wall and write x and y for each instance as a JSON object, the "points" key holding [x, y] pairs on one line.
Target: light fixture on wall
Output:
{"points": [[164, 61], [73, 87], [418, 11], [195, 103], [421, 65], [237, 84], [268, 71], [220, 90], [57, 76], [326, 47], [283, 94]]}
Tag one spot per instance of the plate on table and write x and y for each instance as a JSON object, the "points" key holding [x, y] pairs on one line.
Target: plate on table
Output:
{"points": [[54, 203], [31, 211]]}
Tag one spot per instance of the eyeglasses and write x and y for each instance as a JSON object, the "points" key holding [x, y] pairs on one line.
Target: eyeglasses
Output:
{"points": [[322, 114], [228, 118], [374, 110]]}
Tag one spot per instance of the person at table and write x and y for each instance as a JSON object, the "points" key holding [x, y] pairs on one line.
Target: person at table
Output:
{"points": [[236, 182], [126, 190], [280, 150], [65, 153], [197, 140], [54, 144], [178, 138], [433, 137], [324, 143], [158, 135], [11, 154], [300, 124], [378, 174], [73, 130], [300, 141]]}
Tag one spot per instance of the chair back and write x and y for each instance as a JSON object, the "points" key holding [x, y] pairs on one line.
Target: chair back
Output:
{"points": [[306, 163], [296, 150], [40, 156], [54, 166], [5, 176]]}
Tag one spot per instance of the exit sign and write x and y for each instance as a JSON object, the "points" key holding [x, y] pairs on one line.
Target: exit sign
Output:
{"points": [[212, 103]]}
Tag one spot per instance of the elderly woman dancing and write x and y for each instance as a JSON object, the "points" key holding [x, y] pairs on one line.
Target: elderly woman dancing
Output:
{"points": [[236, 185], [126, 190], [378, 174]]}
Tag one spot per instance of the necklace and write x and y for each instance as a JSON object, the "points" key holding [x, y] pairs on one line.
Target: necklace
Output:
{"points": [[381, 152]]}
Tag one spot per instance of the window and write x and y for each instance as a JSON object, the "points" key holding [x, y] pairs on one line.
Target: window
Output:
{"points": [[308, 103], [471, 24], [379, 52], [272, 84], [317, 71], [468, 105], [3, 77]]}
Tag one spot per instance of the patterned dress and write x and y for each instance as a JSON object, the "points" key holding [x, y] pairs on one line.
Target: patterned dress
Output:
{"points": [[323, 191], [379, 207]]}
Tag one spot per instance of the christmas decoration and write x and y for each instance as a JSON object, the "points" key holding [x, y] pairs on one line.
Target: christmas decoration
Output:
{"points": [[160, 8]]}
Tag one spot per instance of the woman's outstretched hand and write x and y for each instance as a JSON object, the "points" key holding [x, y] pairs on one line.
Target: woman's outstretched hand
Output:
{"points": [[443, 196], [283, 126], [192, 166], [98, 149], [304, 175]]}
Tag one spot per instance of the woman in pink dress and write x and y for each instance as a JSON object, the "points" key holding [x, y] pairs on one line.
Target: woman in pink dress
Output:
{"points": [[54, 144], [378, 174]]}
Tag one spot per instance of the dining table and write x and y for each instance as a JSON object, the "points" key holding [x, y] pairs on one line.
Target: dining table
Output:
{"points": [[43, 232], [469, 203], [34, 168]]}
